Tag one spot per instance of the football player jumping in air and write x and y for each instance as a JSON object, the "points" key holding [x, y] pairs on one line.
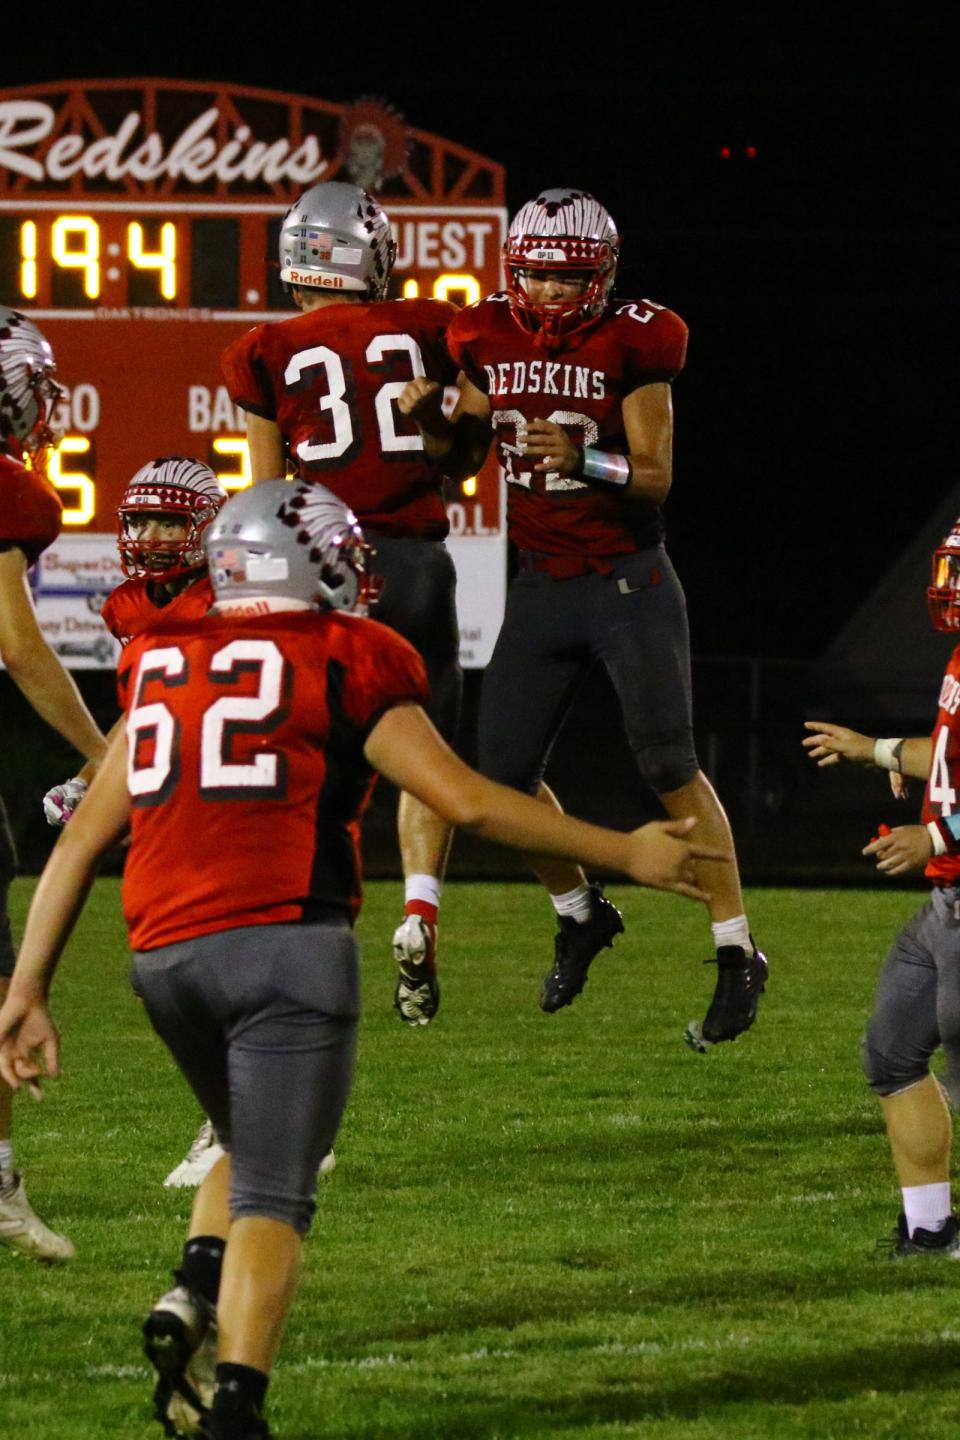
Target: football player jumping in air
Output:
{"points": [[258, 734], [917, 1004], [30, 514], [575, 388], [321, 387]]}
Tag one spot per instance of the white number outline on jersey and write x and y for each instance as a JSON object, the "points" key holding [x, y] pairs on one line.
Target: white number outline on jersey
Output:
{"points": [[235, 714], [151, 784], [339, 381], [940, 791], [634, 314], [221, 777], [552, 479]]}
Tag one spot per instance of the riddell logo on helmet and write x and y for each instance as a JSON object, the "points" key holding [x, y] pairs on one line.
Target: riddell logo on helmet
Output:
{"points": [[547, 253], [319, 282]]}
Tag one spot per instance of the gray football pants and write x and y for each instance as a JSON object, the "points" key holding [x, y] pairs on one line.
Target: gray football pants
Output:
{"points": [[262, 1022], [917, 1004]]}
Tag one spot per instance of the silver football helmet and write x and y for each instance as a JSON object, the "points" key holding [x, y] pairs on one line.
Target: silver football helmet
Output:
{"points": [[567, 233], [175, 487], [283, 539], [336, 237], [28, 391]]}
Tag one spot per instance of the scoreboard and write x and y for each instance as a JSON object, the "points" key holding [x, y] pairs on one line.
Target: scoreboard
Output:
{"points": [[138, 226]]}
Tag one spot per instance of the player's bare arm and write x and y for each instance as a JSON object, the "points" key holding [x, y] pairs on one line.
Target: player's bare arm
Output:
{"points": [[268, 456], [648, 424], [460, 442], [34, 667], [830, 743], [25, 1025], [405, 747]]}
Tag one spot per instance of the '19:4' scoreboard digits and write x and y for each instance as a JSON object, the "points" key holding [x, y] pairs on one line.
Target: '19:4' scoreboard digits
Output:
{"points": [[147, 253]]}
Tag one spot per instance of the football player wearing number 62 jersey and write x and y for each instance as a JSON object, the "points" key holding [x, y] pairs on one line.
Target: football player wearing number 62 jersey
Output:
{"points": [[321, 389], [258, 734], [917, 1005], [574, 388]]}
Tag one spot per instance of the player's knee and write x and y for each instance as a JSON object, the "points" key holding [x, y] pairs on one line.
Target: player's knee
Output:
{"points": [[668, 765], [887, 1071], [292, 1209]]}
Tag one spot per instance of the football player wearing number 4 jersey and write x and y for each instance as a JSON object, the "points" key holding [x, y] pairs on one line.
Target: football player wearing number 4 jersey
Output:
{"points": [[322, 387], [576, 389], [257, 734], [917, 1004]]}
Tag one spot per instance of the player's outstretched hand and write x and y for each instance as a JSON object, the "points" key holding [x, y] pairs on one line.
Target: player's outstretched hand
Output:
{"points": [[904, 849], [27, 1033], [662, 858], [829, 744], [420, 398], [60, 802]]}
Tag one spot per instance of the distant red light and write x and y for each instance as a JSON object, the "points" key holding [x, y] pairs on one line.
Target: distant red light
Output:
{"points": [[750, 151], [725, 152]]}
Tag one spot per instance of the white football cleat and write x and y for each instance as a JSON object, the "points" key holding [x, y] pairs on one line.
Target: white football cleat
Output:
{"points": [[199, 1160], [22, 1229], [328, 1164]]}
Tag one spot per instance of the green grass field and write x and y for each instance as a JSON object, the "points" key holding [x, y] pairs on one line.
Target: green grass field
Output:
{"points": [[539, 1226]]}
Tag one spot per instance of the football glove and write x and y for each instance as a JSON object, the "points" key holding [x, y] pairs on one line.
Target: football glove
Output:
{"points": [[60, 802]]}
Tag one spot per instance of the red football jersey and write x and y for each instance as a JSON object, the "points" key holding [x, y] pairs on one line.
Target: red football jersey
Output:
{"points": [[247, 774], [330, 378], [30, 509], [128, 610], [942, 795], [582, 388]]}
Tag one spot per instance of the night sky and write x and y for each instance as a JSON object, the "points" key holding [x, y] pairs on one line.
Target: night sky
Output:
{"points": [[815, 421]]}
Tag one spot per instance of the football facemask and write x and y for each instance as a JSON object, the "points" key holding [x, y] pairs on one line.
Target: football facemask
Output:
{"points": [[173, 489], [562, 233], [29, 393], [943, 595], [336, 237]]}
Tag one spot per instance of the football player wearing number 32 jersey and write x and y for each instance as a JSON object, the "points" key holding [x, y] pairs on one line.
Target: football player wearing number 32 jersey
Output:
{"points": [[321, 390], [574, 387]]}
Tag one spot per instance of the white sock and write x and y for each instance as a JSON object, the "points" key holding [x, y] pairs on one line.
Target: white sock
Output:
{"points": [[576, 904], [422, 887], [6, 1162], [927, 1207], [732, 932]]}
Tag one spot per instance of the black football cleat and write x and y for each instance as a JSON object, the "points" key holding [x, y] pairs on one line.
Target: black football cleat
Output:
{"points": [[945, 1242], [575, 947], [179, 1340], [741, 980]]}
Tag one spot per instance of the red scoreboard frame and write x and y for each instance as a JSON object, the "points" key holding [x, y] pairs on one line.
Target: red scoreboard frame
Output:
{"points": [[138, 224]]}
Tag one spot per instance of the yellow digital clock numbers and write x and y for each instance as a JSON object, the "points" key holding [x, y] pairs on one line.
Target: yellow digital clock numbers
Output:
{"points": [[75, 245]]}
